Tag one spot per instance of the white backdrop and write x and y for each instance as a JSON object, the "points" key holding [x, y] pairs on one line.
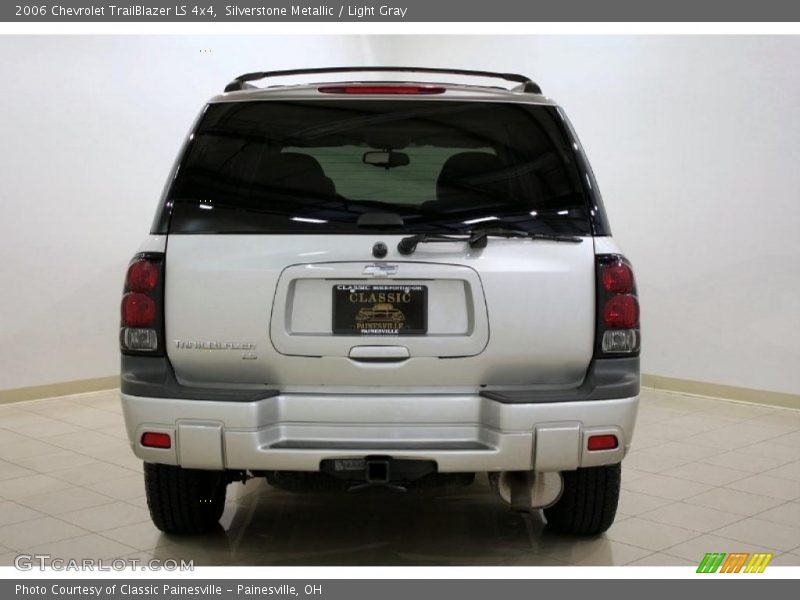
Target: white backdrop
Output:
{"points": [[695, 142], [90, 129]]}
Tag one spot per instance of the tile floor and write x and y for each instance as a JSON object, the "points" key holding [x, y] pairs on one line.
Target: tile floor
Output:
{"points": [[704, 475]]}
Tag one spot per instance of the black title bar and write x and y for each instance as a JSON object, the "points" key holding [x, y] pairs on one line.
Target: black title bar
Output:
{"points": [[401, 11]]}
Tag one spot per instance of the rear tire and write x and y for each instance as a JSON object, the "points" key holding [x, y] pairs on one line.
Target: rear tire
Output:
{"points": [[588, 503], [184, 501]]}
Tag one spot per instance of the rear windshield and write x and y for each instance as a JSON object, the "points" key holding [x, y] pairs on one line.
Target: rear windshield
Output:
{"points": [[350, 166]]}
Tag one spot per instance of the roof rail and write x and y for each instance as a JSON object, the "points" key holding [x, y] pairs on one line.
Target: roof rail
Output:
{"points": [[241, 82]]}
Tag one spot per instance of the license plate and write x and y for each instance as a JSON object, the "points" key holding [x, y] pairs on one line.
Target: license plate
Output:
{"points": [[380, 309]]}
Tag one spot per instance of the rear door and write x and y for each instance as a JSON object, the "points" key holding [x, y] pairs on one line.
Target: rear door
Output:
{"points": [[272, 277]]}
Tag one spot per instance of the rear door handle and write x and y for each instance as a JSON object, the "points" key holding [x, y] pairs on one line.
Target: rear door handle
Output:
{"points": [[379, 353]]}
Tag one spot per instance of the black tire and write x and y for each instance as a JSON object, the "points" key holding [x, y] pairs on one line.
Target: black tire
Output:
{"points": [[588, 504], [184, 501]]}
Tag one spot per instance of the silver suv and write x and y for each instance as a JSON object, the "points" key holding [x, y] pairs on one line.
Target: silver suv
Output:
{"points": [[381, 283]]}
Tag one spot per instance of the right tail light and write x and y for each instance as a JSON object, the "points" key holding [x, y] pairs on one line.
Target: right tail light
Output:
{"points": [[618, 330], [142, 309]]}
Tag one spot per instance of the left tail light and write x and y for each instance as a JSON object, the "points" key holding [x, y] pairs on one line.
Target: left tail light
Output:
{"points": [[142, 308], [618, 331]]}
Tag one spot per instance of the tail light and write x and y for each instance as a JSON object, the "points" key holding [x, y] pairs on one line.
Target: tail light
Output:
{"points": [[142, 276], [621, 312], [403, 90], [142, 308], [618, 330], [138, 310]]}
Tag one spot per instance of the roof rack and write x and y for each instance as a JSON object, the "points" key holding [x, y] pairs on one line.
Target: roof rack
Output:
{"points": [[241, 82]]}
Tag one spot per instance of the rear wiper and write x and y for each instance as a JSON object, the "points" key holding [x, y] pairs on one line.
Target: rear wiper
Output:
{"points": [[480, 238], [481, 235], [408, 244]]}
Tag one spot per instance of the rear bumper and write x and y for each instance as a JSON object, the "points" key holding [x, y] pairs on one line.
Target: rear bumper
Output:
{"points": [[460, 432]]}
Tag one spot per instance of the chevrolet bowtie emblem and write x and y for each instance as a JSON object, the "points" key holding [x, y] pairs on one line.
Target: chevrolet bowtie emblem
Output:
{"points": [[379, 270]]}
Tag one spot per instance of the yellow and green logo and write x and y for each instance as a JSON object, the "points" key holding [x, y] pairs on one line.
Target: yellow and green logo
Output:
{"points": [[735, 562]]}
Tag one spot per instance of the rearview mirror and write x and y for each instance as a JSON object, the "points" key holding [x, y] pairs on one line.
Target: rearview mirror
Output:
{"points": [[387, 159]]}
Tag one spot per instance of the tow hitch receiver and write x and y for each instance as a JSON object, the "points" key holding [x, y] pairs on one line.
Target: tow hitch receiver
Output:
{"points": [[377, 471]]}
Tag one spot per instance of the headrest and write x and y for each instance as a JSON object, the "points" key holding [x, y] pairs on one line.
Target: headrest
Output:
{"points": [[476, 176], [293, 174]]}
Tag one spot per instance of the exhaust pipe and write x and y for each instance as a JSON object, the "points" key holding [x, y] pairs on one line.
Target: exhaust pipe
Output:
{"points": [[529, 490]]}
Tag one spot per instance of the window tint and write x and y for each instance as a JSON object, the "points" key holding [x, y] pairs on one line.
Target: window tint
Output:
{"points": [[317, 166], [409, 184]]}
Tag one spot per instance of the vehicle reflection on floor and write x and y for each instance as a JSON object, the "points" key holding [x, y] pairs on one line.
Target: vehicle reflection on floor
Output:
{"points": [[265, 526]]}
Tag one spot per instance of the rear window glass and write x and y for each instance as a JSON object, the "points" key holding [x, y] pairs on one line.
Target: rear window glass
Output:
{"points": [[411, 183], [320, 166]]}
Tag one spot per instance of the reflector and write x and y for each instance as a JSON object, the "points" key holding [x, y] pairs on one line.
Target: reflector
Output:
{"points": [[153, 439], [602, 442]]}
